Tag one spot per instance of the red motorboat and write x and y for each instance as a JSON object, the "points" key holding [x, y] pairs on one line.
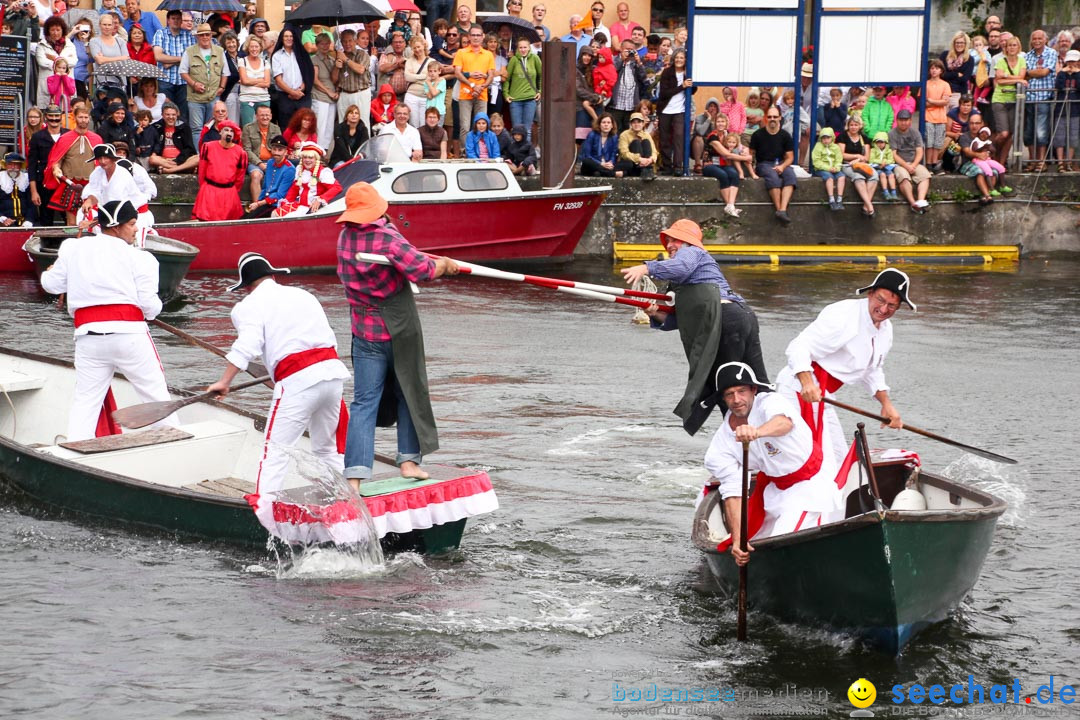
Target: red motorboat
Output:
{"points": [[469, 210]]}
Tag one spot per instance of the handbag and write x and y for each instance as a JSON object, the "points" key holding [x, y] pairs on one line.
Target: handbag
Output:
{"points": [[862, 168], [982, 74]]}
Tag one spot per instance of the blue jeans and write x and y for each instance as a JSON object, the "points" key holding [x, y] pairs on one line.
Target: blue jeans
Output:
{"points": [[201, 112], [523, 112], [178, 94], [371, 360], [1037, 123]]}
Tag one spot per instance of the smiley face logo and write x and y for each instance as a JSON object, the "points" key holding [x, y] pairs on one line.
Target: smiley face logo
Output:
{"points": [[862, 693]]}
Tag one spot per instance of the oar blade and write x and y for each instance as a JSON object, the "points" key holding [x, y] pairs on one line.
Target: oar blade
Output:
{"points": [[138, 416]]}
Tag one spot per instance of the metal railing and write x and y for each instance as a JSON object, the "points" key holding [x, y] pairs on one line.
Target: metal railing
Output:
{"points": [[1061, 134]]}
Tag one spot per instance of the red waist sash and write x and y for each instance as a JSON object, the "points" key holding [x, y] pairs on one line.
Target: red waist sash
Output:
{"points": [[106, 313], [142, 208], [292, 364]]}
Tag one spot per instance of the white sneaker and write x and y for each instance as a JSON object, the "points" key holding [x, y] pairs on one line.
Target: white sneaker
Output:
{"points": [[921, 204], [730, 210]]}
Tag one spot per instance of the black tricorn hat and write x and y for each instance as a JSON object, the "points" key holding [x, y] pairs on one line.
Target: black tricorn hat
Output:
{"points": [[894, 280], [733, 374], [116, 212], [253, 266], [104, 150]]}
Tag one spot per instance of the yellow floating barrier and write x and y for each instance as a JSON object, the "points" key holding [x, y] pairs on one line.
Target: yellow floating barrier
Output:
{"points": [[814, 254]]}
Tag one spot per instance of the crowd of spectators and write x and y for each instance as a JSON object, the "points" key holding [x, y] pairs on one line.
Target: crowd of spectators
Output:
{"points": [[445, 87]]}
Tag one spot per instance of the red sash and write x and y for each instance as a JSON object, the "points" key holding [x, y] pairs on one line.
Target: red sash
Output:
{"points": [[142, 208], [755, 504], [292, 364], [106, 313]]}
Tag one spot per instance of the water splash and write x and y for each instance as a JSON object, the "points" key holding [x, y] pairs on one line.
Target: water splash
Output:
{"points": [[1007, 482], [353, 550]]}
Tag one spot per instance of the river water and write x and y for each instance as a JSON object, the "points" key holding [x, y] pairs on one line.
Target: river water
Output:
{"points": [[585, 580]]}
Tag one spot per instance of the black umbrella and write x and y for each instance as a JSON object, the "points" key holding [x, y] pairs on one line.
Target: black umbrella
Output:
{"points": [[202, 6], [334, 12], [521, 28]]}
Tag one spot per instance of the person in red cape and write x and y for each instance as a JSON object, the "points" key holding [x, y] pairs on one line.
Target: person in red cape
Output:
{"points": [[847, 343], [288, 329], [69, 165], [222, 170], [111, 290], [314, 184], [796, 483]]}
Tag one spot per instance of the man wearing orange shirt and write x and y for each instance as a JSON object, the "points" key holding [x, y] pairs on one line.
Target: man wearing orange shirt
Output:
{"points": [[474, 68]]}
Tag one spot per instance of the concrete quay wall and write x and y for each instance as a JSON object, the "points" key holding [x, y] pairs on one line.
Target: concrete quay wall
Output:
{"points": [[1043, 214]]}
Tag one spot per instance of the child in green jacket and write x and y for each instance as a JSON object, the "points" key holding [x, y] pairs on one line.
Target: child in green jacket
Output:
{"points": [[827, 158], [881, 159]]}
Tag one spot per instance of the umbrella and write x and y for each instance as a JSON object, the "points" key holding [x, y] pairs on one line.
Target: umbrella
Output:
{"points": [[520, 26], [334, 12], [203, 6], [131, 68], [404, 5]]}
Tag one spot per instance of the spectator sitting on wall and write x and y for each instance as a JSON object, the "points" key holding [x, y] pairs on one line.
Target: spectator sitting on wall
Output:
{"points": [[481, 143], [255, 139], [173, 151], [497, 126], [211, 130], [979, 164], [350, 135], [907, 146], [407, 136], [519, 154], [774, 151], [638, 152], [279, 173], [600, 151], [704, 124], [116, 125]]}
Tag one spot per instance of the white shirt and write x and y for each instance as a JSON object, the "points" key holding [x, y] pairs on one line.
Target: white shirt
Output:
{"points": [[121, 186], [105, 270], [275, 321], [143, 181], [774, 456], [844, 341], [284, 64], [409, 138], [677, 103]]}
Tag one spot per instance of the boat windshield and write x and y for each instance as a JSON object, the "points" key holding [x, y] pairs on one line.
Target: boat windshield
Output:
{"points": [[384, 149]]}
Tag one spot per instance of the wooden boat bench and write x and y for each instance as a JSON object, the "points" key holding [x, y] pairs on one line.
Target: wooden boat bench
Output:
{"points": [[15, 381], [208, 449]]}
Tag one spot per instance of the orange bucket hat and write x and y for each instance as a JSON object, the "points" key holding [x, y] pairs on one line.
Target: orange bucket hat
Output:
{"points": [[363, 204], [684, 230]]}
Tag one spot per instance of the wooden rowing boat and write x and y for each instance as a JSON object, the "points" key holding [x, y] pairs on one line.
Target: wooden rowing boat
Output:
{"points": [[192, 483], [174, 257], [882, 576]]}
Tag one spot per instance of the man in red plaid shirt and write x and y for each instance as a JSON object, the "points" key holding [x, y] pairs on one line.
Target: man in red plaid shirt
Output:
{"points": [[388, 343]]}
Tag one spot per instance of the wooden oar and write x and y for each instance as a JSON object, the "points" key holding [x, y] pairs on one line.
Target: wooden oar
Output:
{"points": [[740, 633], [538, 280], [137, 416], [254, 369], [925, 433]]}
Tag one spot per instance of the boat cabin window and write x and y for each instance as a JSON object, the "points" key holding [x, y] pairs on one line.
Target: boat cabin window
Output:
{"points": [[481, 179], [420, 181]]}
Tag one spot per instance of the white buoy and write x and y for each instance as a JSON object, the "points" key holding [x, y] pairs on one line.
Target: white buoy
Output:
{"points": [[909, 499]]}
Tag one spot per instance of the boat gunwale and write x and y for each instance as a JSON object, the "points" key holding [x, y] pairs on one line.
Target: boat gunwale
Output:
{"points": [[126, 480], [177, 248], [993, 507]]}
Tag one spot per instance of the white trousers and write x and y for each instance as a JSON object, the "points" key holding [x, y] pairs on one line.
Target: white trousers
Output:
{"points": [[314, 409], [361, 100], [417, 106], [324, 122], [793, 521], [97, 358]]}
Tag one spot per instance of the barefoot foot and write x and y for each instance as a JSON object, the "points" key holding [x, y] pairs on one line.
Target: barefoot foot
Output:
{"points": [[411, 470]]}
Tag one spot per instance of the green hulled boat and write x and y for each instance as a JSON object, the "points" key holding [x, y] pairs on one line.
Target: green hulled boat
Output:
{"points": [[191, 481], [174, 257], [880, 575]]}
